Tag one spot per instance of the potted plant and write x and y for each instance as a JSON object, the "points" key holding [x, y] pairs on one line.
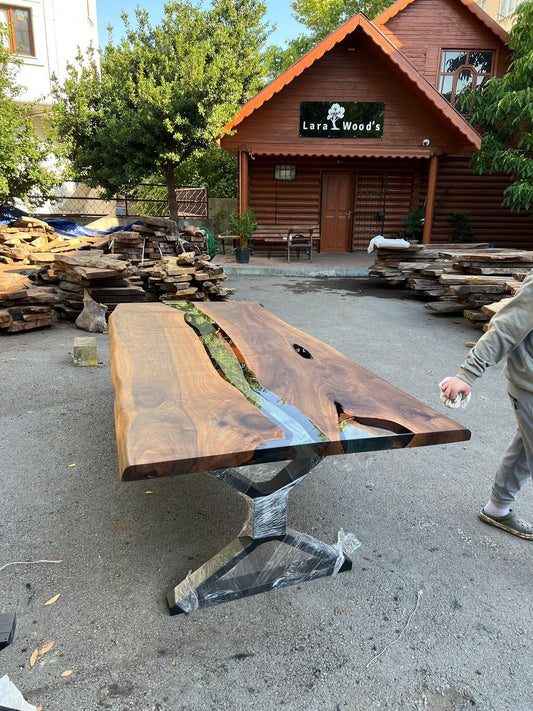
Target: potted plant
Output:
{"points": [[243, 225]]}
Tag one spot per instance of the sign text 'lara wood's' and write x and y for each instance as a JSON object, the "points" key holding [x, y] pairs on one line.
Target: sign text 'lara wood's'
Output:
{"points": [[324, 119]]}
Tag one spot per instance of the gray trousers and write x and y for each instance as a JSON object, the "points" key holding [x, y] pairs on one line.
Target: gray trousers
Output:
{"points": [[517, 463]]}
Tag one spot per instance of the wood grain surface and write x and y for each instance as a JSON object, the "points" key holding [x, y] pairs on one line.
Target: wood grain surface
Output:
{"points": [[175, 413]]}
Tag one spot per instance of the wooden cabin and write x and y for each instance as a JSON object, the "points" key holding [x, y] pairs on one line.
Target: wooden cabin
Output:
{"points": [[362, 130]]}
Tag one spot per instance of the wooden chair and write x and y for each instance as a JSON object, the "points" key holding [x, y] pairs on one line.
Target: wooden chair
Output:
{"points": [[301, 237]]}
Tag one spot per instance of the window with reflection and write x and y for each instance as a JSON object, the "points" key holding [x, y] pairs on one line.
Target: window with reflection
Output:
{"points": [[507, 7], [463, 69], [17, 20]]}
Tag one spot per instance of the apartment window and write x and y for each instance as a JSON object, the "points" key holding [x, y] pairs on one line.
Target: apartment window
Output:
{"points": [[463, 69], [508, 7], [19, 39]]}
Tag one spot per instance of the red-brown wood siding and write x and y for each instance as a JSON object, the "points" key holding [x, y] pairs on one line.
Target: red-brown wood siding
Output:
{"points": [[282, 202], [425, 27], [459, 190], [364, 75]]}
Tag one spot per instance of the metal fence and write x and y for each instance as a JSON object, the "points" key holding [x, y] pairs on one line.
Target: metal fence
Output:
{"points": [[77, 199]]}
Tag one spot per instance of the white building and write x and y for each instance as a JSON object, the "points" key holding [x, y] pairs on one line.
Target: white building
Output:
{"points": [[503, 11], [46, 35]]}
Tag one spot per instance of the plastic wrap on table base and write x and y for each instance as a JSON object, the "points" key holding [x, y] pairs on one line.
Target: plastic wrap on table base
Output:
{"points": [[249, 566], [266, 554]]}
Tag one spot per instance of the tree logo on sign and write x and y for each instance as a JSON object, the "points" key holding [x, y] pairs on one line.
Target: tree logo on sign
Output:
{"points": [[335, 113]]}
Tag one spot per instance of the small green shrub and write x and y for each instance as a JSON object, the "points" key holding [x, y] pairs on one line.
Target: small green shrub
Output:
{"points": [[244, 225], [462, 230], [414, 224]]}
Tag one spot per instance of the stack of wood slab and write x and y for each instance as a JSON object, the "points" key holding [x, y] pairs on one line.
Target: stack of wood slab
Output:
{"points": [[483, 278], [186, 276], [26, 235], [419, 263], [155, 238], [104, 277], [24, 306], [462, 278]]}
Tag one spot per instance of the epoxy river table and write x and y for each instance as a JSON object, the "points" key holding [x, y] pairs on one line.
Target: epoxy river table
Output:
{"points": [[221, 386]]}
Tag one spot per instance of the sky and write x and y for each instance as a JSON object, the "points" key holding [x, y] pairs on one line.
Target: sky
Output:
{"points": [[109, 12]]}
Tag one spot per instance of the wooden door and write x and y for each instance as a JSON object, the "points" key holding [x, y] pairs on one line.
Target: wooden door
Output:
{"points": [[337, 212]]}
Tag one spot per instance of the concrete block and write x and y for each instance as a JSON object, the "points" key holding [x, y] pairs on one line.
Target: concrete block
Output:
{"points": [[85, 351]]}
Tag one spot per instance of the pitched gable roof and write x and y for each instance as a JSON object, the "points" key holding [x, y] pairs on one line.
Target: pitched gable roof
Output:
{"points": [[381, 20], [361, 23]]}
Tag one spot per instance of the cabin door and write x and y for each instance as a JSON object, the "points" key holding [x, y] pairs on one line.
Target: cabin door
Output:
{"points": [[337, 212]]}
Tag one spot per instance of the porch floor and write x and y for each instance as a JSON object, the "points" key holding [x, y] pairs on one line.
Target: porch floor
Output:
{"points": [[354, 264]]}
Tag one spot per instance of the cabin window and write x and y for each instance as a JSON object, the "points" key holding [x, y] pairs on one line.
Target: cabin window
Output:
{"points": [[463, 69], [17, 20], [285, 172]]}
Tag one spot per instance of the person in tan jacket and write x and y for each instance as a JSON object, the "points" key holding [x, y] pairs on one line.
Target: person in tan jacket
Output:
{"points": [[509, 336]]}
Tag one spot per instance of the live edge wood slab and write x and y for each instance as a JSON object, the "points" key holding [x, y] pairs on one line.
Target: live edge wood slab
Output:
{"points": [[220, 386], [176, 414]]}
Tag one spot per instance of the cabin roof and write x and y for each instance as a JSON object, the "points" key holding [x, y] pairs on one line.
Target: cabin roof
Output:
{"points": [[361, 23]]}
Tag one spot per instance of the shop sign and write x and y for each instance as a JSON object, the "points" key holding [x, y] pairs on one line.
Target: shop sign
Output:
{"points": [[355, 119]]}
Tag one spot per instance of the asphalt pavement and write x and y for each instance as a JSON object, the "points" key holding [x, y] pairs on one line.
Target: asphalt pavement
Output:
{"points": [[435, 614]]}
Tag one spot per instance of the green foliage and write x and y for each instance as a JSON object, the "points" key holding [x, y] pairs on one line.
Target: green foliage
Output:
{"points": [[161, 95], [414, 224], [244, 225], [502, 110], [150, 198], [320, 18], [462, 230], [23, 155], [220, 219], [213, 167]]}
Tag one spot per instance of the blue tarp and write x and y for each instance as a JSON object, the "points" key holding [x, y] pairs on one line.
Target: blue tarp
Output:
{"points": [[72, 229], [9, 214], [61, 227]]}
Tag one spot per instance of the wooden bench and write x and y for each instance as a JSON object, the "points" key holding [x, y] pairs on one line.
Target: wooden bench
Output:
{"points": [[288, 237]]}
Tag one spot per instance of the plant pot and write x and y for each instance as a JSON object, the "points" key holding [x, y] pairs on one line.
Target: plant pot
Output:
{"points": [[242, 255]]}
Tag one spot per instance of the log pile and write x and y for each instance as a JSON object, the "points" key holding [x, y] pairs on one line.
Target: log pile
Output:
{"points": [[44, 276], [104, 277], [463, 279], [156, 238], [186, 276], [27, 235], [23, 306]]}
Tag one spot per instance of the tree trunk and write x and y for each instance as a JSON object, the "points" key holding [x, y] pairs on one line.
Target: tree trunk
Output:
{"points": [[171, 192]]}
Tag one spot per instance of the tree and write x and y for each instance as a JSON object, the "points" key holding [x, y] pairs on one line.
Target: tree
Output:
{"points": [[502, 110], [162, 94], [320, 18], [23, 155]]}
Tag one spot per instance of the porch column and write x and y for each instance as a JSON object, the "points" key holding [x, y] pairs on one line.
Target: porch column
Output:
{"points": [[243, 181], [430, 200]]}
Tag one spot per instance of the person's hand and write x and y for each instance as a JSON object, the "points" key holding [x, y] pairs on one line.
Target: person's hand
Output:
{"points": [[452, 387]]}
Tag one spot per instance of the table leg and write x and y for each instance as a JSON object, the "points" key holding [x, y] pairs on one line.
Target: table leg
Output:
{"points": [[266, 554]]}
